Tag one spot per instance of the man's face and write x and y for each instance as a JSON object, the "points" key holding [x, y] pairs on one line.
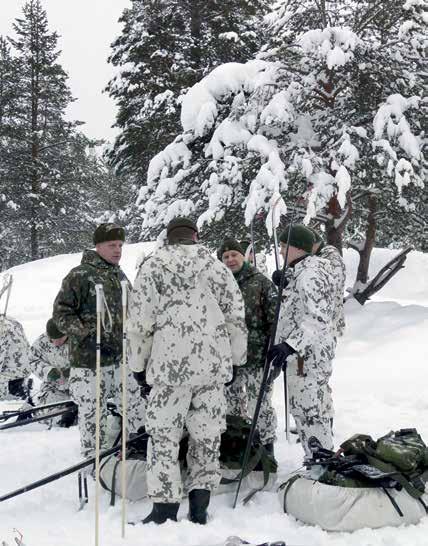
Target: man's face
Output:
{"points": [[110, 251], [293, 253], [58, 342], [233, 260]]}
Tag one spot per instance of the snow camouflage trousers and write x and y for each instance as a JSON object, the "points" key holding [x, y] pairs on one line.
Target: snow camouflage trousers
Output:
{"points": [[53, 391], [201, 409], [83, 389], [241, 398], [311, 401]]}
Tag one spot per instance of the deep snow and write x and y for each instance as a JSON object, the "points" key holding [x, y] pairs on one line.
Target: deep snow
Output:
{"points": [[379, 383]]}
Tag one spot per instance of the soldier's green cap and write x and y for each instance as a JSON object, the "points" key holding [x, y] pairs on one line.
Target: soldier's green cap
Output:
{"points": [[245, 244], [108, 232], [317, 236], [230, 244], [300, 237], [52, 330], [181, 222]]}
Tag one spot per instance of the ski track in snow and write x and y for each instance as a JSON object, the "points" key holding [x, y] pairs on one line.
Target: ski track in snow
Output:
{"points": [[379, 383]]}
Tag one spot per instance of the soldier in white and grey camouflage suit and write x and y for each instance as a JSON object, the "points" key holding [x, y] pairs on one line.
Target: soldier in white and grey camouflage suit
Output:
{"points": [[306, 338], [338, 278], [14, 363], [186, 330], [50, 361]]}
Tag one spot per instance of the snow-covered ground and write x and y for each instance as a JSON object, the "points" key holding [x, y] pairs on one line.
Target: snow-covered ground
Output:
{"points": [[380, 383]]}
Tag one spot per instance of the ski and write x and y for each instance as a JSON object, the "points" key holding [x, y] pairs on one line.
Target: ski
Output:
{"points": [[70, 470], [7, 414], [45, 417]]}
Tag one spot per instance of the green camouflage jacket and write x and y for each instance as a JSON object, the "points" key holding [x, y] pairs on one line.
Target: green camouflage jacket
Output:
{"points": [[74, 311], [259, 295]]}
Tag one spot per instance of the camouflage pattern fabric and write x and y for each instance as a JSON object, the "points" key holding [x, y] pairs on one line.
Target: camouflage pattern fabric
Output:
{"points": [[338, 278], [261, 264], [83, 390], [74, 311], [201, 410], [241, 399], [45, 358], [260, 296], [186, 319], [306, 323], [338, 272], [187, 329], [14, 349]]}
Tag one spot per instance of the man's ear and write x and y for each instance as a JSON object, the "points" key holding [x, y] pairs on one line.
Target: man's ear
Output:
{"points": [[195, 237]]}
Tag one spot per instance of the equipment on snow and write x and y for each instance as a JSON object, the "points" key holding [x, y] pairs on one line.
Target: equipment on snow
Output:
{"points": [[266, 381], [22, 421], [70, 470], [366, 484]]}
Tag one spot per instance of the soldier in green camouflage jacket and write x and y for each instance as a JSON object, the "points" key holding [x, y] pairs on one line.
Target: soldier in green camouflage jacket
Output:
{"points": [[259, 295], [74, 314]]}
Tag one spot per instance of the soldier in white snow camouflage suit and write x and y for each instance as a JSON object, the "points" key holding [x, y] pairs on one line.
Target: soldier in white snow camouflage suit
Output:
{"points": [[306, 338], [14, 349], [186, 331], [338, 277], [75, 314], [50, 361]]}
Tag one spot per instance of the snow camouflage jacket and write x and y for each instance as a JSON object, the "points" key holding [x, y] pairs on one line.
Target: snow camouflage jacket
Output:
{"points": [[14, 350], [44, 357], [186, 318], [338, 271], [259, 295], [306, 319], [74, 311]]}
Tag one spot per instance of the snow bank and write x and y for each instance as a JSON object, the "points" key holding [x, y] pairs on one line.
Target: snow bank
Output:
{"points": [[379, 383]]}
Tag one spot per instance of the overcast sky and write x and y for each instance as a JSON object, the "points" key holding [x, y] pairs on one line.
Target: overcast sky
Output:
{"points": [[86, 29]]}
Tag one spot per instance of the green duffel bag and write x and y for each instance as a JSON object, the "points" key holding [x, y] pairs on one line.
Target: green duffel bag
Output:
{"points": [[405, 449]]}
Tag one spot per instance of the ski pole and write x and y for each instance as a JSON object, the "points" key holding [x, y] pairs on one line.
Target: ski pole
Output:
{"points": [[275, 239], [69, 470], [99, 307], [252, 244], [266, 379], [286, 394], [9, 289], [124, 285], [28, 421], [22, 413]]}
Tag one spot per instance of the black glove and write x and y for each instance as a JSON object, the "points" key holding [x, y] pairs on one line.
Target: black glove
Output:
{"points": [[278, 354], [276, 278], [145, 388], [234, 375]]}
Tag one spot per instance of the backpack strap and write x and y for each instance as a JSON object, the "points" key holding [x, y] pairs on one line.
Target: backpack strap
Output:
{"points": [[265, 465], [287, 486], [252, 463], [397, 476], [393, 501]]}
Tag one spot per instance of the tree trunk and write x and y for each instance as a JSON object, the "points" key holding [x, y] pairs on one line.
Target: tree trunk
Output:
{"points": [[365, 252], [35, 175]]}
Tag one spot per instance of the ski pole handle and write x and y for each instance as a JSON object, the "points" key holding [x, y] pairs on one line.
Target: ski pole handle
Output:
{"points": [[124, 286], [99, 291]]}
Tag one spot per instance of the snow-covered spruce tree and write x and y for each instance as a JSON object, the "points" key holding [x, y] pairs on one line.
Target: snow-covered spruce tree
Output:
{"points": [[329, 113], [165, 47], [43, 182]]}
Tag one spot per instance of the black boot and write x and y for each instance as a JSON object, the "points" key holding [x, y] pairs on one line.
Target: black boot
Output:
{"points": [[199, 500], [269, 449], [162, 511]]}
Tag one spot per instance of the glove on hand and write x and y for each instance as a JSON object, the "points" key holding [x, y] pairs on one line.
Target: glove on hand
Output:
{"points": [[278, 354], [234, 375], [276, 278], [145, 388]]}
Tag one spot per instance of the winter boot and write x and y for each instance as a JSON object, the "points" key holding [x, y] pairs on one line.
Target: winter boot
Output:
{"points": [[199, 500], [162, 511]]}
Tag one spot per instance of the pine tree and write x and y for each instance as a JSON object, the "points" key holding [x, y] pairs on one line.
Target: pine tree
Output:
{"points": [[165, 47]]}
